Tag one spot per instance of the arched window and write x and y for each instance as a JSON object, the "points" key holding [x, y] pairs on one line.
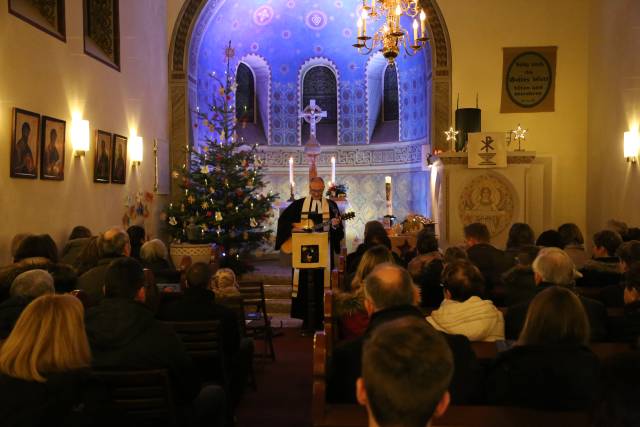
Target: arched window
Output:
{"points": [[320, 84], [390, 109], [245, 95]]}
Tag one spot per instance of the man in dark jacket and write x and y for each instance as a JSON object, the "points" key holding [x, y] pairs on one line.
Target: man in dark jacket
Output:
{"points": [[603, 270], [198, 303], [113, 244], [553, 267], [628, 253], [390, 294], [123, 333], [490, 260]]}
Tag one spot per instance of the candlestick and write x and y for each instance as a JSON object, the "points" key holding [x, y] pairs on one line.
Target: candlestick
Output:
{"points": [[364, 23], [423, 19], [389, 195], [359, 25], [292, 196], [333, 169], [415, 32], [291, 170]]}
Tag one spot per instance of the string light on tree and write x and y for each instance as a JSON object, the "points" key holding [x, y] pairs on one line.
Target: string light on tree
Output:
{"points": [[519, 135]]}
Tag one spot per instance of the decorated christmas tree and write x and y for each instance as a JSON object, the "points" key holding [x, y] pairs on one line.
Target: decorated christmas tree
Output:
{"points": [[223, 199]]}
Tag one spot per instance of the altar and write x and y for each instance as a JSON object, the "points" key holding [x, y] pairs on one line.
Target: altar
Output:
{"points": [[496, 197]]}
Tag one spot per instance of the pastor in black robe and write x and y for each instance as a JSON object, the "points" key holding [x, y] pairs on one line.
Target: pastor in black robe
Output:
{"points": [[288, 217]]}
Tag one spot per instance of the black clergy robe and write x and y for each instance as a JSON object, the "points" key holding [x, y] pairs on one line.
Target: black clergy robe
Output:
{"points": [[288, 217]]}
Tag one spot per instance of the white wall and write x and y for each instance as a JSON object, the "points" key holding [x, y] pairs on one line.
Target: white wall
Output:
{"points": [[614, 106], [479, 29], [42, 74]]}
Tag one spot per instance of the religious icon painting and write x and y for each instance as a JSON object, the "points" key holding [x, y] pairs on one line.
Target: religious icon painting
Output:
{"points": [[119, 159], [24, 144], [52, 142], [102, 164]]}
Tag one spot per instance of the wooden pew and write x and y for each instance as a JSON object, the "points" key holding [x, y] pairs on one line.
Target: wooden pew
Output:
{"points": [[603, 350]]}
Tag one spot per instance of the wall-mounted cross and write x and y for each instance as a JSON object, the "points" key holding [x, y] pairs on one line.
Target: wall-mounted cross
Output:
{"points": [[312, 114]]}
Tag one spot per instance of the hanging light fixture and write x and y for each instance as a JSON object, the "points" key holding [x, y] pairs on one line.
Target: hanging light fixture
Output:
{"points": [[391, 37]]}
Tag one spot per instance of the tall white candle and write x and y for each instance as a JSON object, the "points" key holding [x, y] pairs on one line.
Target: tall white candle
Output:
{"points": [[388, 194], [333, 169], [423, 18], [291, 170], [415, 32]]}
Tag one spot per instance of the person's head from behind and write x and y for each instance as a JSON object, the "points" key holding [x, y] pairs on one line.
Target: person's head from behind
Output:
{"points": [[15, 243], [618, 402], [526, 254], [224, 278], [619, 227], [462, 280], [550, 239], [631, 284], [520, 234], [153, 250], [114, 243], [199, 275], [137, 235], [628, 253], [454, 253], [407, 367], [49, 337], [426, 242], [606, 243], [41, 245], [316, 187], [370, 259], [555, 316], [124, 278], [32, 284], [571, 234], [79, 232], [376, 237], [476, 233], [372, 226], [553, 266], [387, 286]]}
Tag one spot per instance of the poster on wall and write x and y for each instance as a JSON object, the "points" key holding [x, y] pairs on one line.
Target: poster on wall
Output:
{"points": [[528, 79], [24, 144], [52, 148]]}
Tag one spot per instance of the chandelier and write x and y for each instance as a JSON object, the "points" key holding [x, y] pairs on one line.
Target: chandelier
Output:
{"points": [[390, 36]]}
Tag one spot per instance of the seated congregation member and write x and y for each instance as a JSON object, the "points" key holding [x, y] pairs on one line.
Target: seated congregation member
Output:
{"points": [[77, 241], [519, 283], [550, 367], [550, 239], [112, 244], [89, 257], [37, 252], [426, 267], [618, 401], [123, 334], [15, 244], [553, 267], [389, 295], [603, 270], [573, 244], [44, 369], [406, 372], [349, 306], [490, 260], [627, 327], [463, 311], [454, 253], [155, 257], [628, 253], [520, 235], [374, 236], [224, 284], [137, 237], [25, 288]]}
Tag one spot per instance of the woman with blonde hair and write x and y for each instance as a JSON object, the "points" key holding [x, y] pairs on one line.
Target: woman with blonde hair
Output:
{"points": [[224, 284], [349, 306], [44, 367], [550, 367]]}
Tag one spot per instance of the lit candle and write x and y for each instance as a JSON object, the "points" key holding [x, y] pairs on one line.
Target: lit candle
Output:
{"points": [[415, 32], [373, 5], [359, 24], [423, 19], [291, 170], [333, 169], [364, 23], [388, 193]]}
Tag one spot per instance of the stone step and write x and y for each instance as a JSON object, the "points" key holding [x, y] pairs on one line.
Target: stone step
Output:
{"points": [[278, 306], [277, 291]]}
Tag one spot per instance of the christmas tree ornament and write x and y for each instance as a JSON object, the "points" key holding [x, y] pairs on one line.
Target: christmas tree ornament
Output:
{"points": [[172, 221], [253, 223], [205, 205], [218, 217]]}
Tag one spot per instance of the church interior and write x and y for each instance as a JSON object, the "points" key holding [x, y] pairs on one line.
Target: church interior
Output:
{"points": [[281, 170]]}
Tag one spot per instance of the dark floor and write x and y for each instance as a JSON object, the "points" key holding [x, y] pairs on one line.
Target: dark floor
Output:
{"points": [[283, 397]]}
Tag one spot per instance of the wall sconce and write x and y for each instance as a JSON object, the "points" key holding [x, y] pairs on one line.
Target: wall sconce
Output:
{"points": [[631, 145], [80, 137], [136, 150]]}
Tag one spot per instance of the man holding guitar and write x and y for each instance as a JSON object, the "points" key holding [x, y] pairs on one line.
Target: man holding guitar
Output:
{"points": [[313, 209]]}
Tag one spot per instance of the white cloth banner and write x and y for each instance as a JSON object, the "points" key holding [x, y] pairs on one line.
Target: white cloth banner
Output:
{"points": [[487, 150]]}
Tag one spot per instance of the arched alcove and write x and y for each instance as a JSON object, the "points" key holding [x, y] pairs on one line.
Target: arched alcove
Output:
{"points": [[257, 131]]}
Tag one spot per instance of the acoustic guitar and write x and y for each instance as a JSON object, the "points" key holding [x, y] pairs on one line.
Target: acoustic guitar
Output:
{"points": [[308, 226]]}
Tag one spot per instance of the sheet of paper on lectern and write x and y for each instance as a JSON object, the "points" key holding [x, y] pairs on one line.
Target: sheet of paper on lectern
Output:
{"points": [[487, 150]]}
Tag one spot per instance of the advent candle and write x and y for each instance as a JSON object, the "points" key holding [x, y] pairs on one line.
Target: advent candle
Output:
{"points": [[333, 169], [291, 170], [389, 196]]}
